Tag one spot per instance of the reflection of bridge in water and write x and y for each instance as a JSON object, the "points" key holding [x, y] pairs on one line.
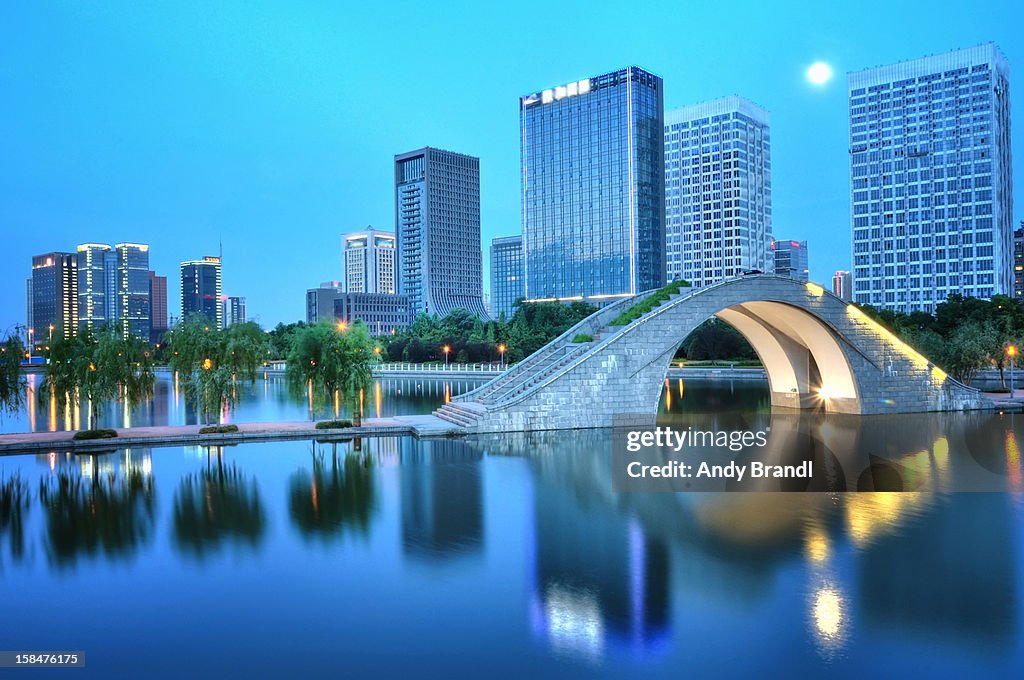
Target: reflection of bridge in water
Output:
{"points": [[819, 353], [606, 565]]}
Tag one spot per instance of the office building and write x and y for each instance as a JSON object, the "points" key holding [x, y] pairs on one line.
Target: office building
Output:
{"points": [[790, 259], [506, 274], [232, 310], [1018, 262], [382, 313], [593, 187], [133, 308], [930, 180], [158, 306], [97, 286], [437, 218], [718, 191], [53, 293], [320, 301], [368, 258], [201, 289], [842, 285]]}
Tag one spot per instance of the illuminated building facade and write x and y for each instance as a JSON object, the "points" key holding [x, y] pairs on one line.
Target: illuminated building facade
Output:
{"points": [[930, 180], [97, 286], [437, 218], [593, 187], [320, 301], [1018, 262], [53, 297], [718, 190], [232, 310], [201, 289], [842, 285], [158, 306], [133, 313]]}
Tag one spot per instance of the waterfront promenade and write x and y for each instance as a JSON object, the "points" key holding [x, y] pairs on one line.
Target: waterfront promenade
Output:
{"points": [[394, 426]]}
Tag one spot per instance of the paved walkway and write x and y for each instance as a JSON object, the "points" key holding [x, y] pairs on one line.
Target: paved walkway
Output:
{"points": [[419, 425]]}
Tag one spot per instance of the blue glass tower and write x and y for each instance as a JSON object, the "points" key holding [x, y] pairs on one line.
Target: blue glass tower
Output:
{"points": [[593, 187], [506, 274]]}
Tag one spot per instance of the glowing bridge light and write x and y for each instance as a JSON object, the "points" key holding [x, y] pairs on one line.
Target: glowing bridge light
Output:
{"points": [[824, 393], [906, 349], [814, 289]]}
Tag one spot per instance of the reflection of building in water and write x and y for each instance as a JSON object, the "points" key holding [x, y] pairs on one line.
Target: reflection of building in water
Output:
{"points": [[442, 498], [136, 460]]}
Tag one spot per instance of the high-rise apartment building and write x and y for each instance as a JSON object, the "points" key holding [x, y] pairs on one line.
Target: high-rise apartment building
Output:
{"points": [[842, 285], [718, 190], [133, 307], [368, 257], [201, 289], [593, 187], [158, 306], [53, 293], [930, 179], [232, 310], [97, 286], [506, 274], [790, 259], [437, 218]]}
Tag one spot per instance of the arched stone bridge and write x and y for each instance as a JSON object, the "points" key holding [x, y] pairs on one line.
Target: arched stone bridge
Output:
{"points": [[818, 351]]}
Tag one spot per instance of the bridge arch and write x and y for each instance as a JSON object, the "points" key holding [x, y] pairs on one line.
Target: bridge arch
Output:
{"points": [[818, 351]]}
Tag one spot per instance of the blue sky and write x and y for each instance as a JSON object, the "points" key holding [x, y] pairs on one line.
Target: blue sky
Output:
{"points": [[272, 126]]}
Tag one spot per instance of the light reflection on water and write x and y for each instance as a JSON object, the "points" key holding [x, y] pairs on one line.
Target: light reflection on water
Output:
{"points": [[268, 399], [435, 556]]}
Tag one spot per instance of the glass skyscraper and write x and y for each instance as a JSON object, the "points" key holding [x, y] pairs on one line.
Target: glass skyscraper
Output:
{"points": [[437, 219], [790, 259], [53, 297], [593, 187], [201, 289], [930, 179], [506, 274], [133, 289], [97, 286], [718, 190]]}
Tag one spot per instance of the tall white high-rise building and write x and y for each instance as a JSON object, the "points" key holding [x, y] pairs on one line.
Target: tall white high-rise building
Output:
{"points": [[930, 179], [368, 257], [718, 190]]}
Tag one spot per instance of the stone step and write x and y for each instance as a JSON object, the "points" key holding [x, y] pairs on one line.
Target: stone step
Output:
{"points": [[455, 417]]}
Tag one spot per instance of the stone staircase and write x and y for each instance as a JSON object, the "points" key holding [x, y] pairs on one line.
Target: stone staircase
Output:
{"points": [[467, 409]]}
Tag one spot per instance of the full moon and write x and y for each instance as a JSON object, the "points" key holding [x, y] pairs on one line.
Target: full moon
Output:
{"points": [[819, 73]]}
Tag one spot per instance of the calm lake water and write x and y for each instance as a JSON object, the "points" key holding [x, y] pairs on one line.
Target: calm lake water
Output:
{"points": [[511, 556]]}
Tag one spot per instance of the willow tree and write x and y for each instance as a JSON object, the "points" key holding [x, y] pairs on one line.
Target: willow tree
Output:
{"points": [[332, 362], [99, 368], [211, 361], [12, 380]]}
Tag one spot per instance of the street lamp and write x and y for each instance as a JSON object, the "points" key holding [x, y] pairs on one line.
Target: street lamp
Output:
{"points": [[447, 349], [501, 353], [30, 332], [1011, 352], [342, 326], [51, 333]]}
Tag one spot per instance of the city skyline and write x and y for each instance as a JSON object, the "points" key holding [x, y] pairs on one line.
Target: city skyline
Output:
{"points": [[260, 199]]}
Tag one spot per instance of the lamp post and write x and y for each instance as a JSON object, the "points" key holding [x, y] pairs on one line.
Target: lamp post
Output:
{"points": [[446, 349], [501, 353], [1011, 352], [51, 333], [342, 326], [30, 332]]}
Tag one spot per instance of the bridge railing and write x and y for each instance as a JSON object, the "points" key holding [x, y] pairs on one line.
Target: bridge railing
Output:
{"points": [[409, 367]]}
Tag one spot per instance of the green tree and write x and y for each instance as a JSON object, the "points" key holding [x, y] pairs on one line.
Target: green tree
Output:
{"points": [[12, 380], [331, 361]]}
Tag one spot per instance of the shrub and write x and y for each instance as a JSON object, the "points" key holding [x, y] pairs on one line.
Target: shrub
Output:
{"points": [[333, 424], [639, 309], [95, 434], [218, 429], [583, 337]]}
